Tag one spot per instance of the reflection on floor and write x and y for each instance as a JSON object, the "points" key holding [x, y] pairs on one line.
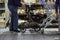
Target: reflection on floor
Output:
{"points": [[50, 34]]}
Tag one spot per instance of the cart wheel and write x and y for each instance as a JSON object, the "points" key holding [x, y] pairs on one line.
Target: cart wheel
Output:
{"points": [[23, 30], [31, 30], [37, 29], [42, 31]]}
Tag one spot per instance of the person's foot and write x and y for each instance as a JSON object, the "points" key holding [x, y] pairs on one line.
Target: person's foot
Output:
{"points": [[10, 30], [16, 31]]}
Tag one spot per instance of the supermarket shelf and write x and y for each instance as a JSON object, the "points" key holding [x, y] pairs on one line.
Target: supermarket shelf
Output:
{"points": [[2, 26], [1, 17], [2, 8], [2, 11], [2, 23]]}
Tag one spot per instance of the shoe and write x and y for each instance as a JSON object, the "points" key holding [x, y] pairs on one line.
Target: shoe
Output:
{"points": [[16, 31], [10, 30]]}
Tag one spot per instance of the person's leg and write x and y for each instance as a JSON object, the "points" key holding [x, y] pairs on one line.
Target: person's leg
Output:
{"points": [[59, 24], [56, 8], [58, 14], [11, 23], [59, 18], [15, 19]]}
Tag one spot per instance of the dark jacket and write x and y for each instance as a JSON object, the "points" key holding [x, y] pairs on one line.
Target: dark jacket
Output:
{"points": [[14, 2], [57, 2]]}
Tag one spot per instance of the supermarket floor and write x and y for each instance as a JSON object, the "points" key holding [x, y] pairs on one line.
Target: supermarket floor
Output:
{"points": [[50, 34]]}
